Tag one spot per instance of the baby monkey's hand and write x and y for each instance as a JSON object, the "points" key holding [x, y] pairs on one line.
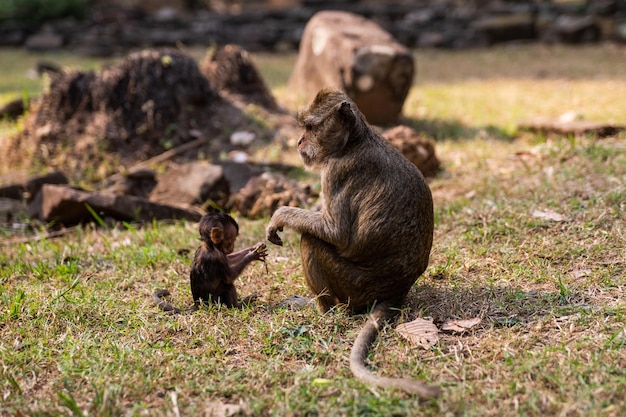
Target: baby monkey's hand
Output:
{"points": [[260, 250]]}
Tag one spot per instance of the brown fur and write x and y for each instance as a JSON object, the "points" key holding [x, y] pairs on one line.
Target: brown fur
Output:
{"points": [[372, 238], [215, 267]]}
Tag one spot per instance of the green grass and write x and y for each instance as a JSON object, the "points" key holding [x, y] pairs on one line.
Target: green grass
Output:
{"points": [[19, 70], [80, 336]]}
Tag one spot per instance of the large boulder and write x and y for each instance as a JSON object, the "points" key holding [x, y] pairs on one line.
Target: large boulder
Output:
{"points": [[347, 51]]}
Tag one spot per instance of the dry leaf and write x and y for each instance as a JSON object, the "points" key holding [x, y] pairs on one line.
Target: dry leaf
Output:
{"points": [[420, 332], [460, 326], [549, 215], [218, 409]]}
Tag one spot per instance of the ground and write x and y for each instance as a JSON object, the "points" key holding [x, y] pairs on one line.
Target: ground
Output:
{"points": [[529, 236]]}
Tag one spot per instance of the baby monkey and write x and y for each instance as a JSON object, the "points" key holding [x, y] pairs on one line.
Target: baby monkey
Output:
{"points": [[215, 266]]}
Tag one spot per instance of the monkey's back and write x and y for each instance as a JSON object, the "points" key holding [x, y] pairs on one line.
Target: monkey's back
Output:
{"points": [[208, 275], [391, 214]]}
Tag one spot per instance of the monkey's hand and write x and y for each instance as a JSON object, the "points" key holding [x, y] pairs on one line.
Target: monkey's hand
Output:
{"points": [[257, 252], [272, 235], [279, 219], [260, 250]]}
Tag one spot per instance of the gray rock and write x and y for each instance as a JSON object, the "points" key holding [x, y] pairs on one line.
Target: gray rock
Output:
{"points": [[33, 184], [44, 40], [12, 191], [620, 31], [577, 29], [502, 28], [27, 187], [192, 183], [239, 174], [138, 183], [66, 205]]}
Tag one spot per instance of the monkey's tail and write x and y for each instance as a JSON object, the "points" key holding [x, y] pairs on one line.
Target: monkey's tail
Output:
{"points": [[359, 352], [163, 304]]}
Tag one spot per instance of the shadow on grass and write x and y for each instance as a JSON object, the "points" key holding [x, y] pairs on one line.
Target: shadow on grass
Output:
{"points": [[440, 129], [500, 306]]}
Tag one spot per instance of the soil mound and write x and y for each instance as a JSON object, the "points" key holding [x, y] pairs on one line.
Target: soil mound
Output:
{"points": [[146, 104], [233, 73]]}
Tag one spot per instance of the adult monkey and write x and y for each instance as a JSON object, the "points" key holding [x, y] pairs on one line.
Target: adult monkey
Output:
{"points": [[372, 238]]}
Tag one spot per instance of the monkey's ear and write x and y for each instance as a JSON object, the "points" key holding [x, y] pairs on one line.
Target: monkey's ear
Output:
{"points": [[217, 235], [346, 112]]}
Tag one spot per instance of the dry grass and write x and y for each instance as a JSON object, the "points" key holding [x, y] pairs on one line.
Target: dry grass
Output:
{"points": [[80, 336]]}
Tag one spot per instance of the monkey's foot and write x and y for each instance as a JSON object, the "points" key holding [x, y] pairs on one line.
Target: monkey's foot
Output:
{"points": [[251, 299]]}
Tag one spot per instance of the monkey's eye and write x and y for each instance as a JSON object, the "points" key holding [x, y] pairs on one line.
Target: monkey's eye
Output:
{"points": [[308, 127]]}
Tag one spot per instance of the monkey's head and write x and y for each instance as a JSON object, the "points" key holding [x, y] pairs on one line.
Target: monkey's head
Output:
{"points": [[330, 123], [219, 230]]}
